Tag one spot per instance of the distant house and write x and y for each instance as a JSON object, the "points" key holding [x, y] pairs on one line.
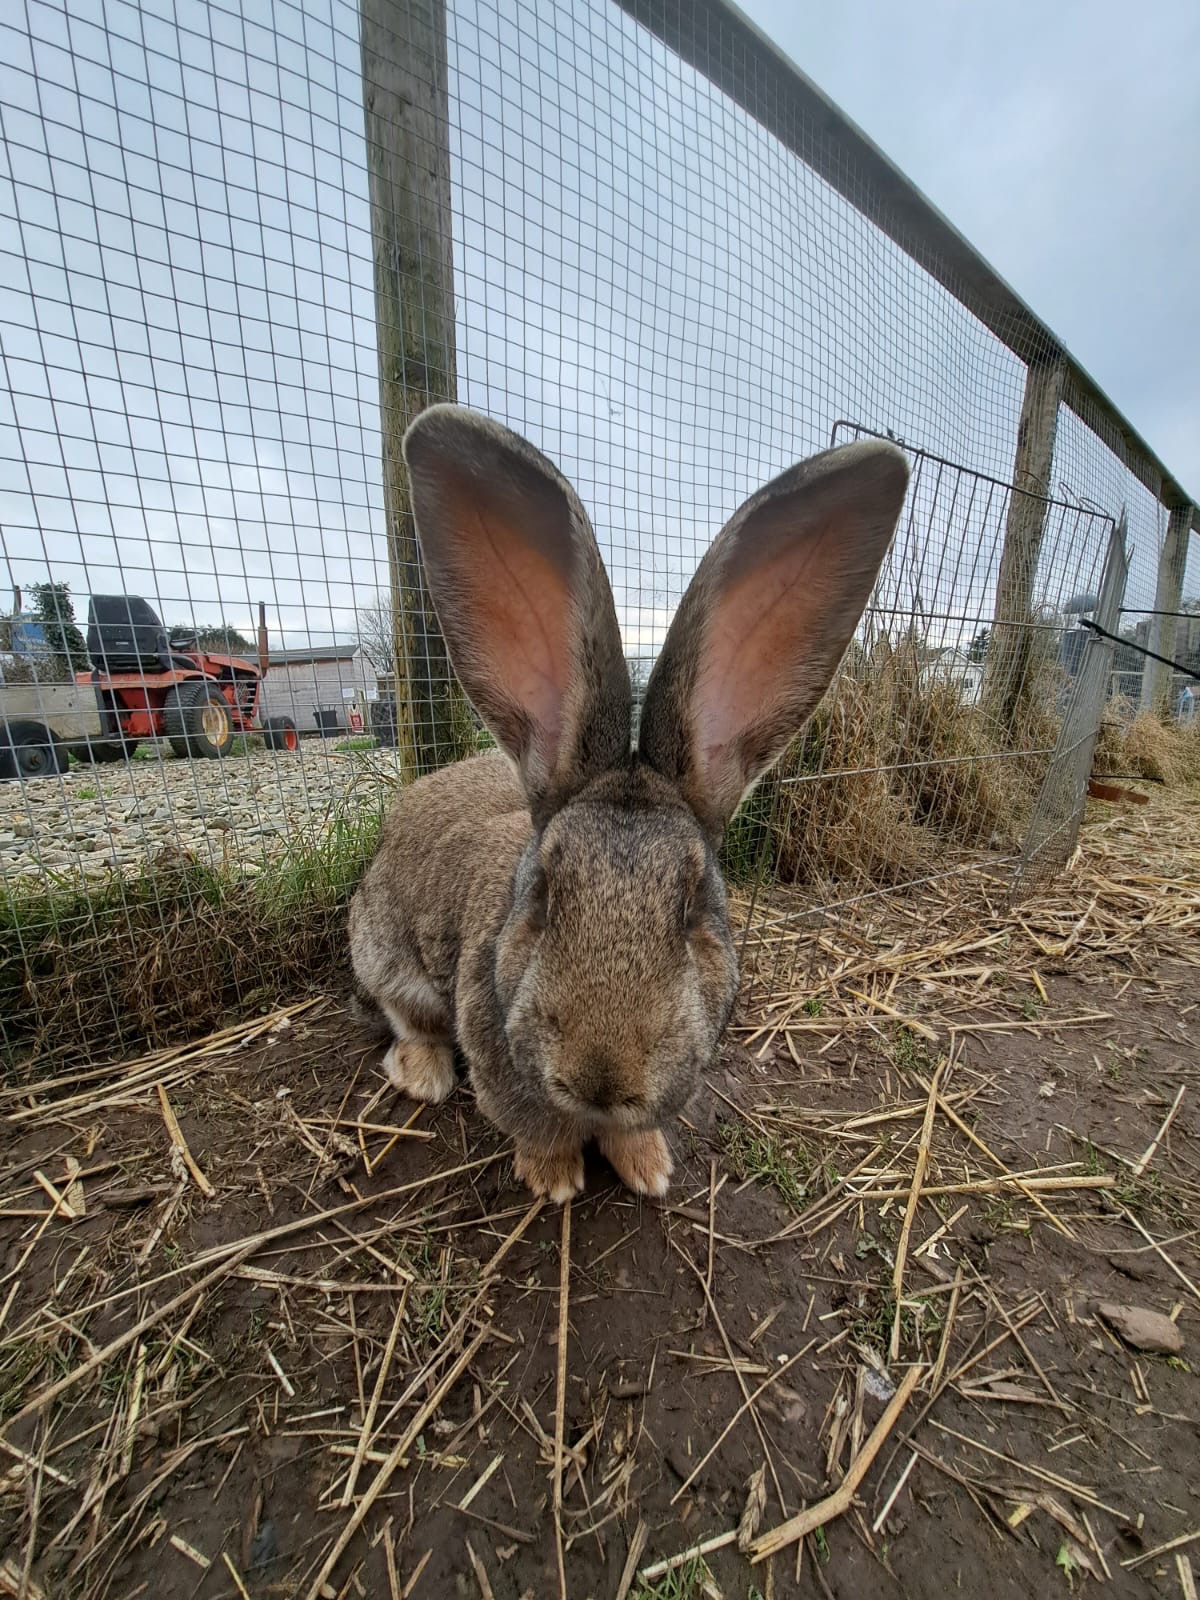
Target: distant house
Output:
{"points": [[317, 678], [956, 666]]}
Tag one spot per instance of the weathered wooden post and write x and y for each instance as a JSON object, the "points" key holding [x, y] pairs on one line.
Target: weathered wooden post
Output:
{"points": [[406, 104], [1168, 598], [1011, 646]]}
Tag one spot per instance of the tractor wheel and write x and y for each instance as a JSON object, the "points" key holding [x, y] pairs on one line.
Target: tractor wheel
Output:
{"points": [[281, 734], [30, 750], [196, 719]]}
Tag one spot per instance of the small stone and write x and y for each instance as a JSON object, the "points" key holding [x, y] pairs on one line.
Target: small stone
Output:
{"points": [[1144, 1330]]}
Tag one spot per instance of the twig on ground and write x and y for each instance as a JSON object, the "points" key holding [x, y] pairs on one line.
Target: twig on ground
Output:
{"points": [[1147, 1157], [837, 1503], [910, 1211]]}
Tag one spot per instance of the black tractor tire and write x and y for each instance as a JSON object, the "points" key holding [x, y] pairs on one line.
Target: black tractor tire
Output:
{"points": [[30, 750], [280, 734], [197, 720]]}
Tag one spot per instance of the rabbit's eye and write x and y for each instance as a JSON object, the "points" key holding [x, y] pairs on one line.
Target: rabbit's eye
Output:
{"points": [[538, 905], [693, 909]]}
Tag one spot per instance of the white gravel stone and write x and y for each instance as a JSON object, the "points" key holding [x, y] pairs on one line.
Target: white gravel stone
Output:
{"points": [[238, 812]]}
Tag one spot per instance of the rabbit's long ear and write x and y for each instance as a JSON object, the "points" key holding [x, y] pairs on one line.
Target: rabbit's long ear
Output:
{"points": [[523, 601], [765, 621]]}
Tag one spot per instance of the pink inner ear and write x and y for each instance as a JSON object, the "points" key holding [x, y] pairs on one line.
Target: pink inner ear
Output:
{"points": [[520, 641], [754, 643]]}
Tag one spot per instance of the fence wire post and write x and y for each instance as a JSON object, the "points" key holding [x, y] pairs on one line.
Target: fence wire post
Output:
{"points": [[406, 106], [1012, 637], [1168, 598], [1058, 811]]}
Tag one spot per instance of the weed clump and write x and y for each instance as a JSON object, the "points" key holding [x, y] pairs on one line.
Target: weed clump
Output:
{"points": [[141, 961], [897, 766]]}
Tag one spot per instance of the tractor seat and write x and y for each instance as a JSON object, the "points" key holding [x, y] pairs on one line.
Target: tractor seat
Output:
{"points": [[125, 634]]}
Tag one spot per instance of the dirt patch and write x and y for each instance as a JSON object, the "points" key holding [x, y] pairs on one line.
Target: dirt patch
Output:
{"points": [[338, 1371]]}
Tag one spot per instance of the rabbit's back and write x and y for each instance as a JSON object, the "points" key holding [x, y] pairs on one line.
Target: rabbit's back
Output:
{"points": [[445, 860]]}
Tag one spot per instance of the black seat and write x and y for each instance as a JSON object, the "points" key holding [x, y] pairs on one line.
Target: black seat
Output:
{"points": [[125, 634]]}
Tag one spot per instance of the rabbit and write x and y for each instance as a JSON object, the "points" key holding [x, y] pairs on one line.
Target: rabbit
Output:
{"points": [[555, 908]]}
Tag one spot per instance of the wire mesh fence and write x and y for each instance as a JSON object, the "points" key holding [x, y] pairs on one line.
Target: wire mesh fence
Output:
{"points": [[242, 247]]}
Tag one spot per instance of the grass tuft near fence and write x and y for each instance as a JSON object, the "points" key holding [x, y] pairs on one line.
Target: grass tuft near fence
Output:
{"points": [[1143, 746], [89, 972], [896, 766]]}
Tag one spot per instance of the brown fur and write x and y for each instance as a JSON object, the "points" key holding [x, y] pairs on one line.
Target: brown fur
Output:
{"points": [[559, 914]]}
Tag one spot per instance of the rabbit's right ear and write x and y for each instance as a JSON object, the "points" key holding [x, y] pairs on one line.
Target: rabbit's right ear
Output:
{"points": [[765, 621], [523, 601]]}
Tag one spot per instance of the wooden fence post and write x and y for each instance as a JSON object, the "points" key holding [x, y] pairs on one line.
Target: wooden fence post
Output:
{"points": [[1168, 597], [406, 105], [1010, 650]]}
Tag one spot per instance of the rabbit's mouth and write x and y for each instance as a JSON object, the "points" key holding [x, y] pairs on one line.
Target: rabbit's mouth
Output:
{"points": [[601, 1106]]}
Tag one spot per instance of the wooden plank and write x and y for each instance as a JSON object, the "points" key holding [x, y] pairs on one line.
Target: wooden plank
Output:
{"points": [[1008, 657], [406, 105], [1168, 597]]}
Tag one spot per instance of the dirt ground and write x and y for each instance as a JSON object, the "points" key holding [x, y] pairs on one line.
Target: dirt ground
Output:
{"points": [[269, 1330]]}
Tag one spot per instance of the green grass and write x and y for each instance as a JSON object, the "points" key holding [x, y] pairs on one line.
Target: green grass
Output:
{"points": [[748, 846], [910, 1053], [786, 1164], [433, 1302], [357, 742], [1094, 1163], [92, 969], [920, 1318], [684, 1583], [1002, 1215]]}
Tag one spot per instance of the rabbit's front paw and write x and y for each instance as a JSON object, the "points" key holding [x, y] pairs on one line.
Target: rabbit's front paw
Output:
{"points": [[420, 1068], [556, 1173], [642, 1160]]}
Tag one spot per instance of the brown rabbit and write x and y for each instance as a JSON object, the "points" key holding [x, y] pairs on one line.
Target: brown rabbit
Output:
{"points": [[556, 908]]}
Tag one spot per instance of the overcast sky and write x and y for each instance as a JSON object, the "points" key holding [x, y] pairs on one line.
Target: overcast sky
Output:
{"points": [[667, 301], [1063, 139]]}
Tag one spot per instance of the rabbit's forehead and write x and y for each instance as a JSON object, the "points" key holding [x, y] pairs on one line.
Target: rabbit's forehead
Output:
{"points": [[587, 839]]}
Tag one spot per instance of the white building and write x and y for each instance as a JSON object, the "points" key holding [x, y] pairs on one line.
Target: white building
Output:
{"points": [[957, 667], [314, 679]]}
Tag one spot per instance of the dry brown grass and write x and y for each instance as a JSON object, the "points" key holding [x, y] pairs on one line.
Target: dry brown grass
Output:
{"points": [[895, 768], [1143, 746]]}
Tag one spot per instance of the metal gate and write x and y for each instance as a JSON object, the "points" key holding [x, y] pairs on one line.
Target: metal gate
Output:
{"points": [[960, 790]]}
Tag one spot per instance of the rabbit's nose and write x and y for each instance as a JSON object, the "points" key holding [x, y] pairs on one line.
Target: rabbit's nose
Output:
{"points": [[598, 1083]]}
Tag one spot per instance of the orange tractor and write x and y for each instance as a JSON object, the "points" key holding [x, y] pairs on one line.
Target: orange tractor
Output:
{"points": [[151, 684]]}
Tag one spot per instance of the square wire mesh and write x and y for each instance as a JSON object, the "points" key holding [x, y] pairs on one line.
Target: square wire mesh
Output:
{"points": [[234, 260]]}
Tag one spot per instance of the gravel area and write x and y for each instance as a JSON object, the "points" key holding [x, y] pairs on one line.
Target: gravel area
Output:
{"points": [[238, 812]]}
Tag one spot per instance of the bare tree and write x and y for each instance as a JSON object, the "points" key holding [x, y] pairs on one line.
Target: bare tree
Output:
{"points": [[376, 633]]}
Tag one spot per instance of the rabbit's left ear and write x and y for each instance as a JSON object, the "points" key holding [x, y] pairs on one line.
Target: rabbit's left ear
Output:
{"points": [[523, 601], [765, 621]]}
